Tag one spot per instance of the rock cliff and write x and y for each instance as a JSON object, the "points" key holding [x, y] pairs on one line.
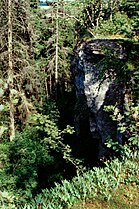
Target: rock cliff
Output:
{"points": [[93, 67]]}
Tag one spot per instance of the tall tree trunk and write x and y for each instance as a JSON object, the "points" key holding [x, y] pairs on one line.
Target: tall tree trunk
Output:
{"points": [[56, 55], [101, 9], [50, 86], [111, 9], [10, 72], [100, 13], [46, 84]]}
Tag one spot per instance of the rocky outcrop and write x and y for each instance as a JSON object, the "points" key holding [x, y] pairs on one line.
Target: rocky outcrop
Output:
{"points": [[94, 68]]}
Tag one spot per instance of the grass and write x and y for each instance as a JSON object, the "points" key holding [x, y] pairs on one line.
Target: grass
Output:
{"points": [[116, 186], [125, 197]]}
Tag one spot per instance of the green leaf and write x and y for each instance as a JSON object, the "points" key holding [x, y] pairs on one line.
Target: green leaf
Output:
{"points": [[1, 92], [1, 107]]}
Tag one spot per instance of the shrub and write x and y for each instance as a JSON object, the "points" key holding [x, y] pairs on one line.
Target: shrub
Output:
{"points": [[121, 25], [36, 156]]}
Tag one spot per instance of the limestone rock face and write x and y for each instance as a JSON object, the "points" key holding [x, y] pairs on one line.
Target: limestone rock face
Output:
{"points": [[93, 67]]}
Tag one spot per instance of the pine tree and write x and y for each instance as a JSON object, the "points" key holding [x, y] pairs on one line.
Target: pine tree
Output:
{"points": [[54, 46], [15, 51]]}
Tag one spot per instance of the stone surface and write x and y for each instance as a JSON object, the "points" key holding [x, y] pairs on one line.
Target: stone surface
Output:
{"points": [[95, 90]]}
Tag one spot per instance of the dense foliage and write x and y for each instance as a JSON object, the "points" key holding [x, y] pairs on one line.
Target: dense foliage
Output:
{"points": [[93, 183], [37, 98]]}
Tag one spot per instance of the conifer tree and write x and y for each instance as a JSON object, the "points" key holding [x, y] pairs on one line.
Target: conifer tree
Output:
{"points": [[15, 53], [56, 43]]}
